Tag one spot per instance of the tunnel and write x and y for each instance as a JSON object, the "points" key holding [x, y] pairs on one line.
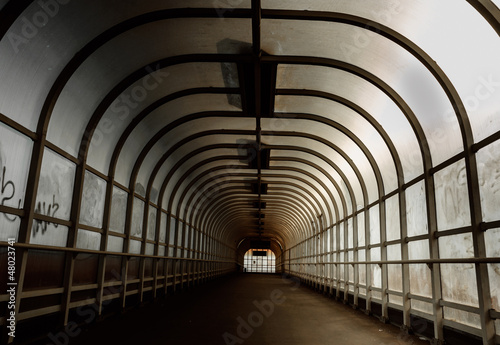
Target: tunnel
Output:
{"points": [[250, 172]]}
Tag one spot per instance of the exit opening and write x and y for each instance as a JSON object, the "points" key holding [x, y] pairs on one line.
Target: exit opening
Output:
{"points": [[260, 261]]}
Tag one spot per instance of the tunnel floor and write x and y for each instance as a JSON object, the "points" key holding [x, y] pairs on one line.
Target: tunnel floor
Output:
{"points": [[245, 309]]}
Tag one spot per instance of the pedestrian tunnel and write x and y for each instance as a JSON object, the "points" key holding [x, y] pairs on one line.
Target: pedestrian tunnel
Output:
{"points": [[150, 148]]}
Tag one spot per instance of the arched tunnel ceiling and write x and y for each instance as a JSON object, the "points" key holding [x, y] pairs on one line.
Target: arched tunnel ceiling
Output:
{"points": [[253, 118]]}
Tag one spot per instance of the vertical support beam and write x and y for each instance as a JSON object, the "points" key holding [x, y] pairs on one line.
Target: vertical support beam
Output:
{"points": [[126, 245], [337, 260], [355, 258], [368, 265], [73, 234], [142, 260], [27, 221], [482, 274], [434, 254], [156, 263], [101, 273], [405, 268], [383, 254], [346, 259]]}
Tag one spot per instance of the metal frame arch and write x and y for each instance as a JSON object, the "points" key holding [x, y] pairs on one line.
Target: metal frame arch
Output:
{"points": [[288, 226], [302, 180], [217, 177], [333, 147], [324, 173], [206, 208], [357, 109], [213, 208], [222, 194], [284, 228]]}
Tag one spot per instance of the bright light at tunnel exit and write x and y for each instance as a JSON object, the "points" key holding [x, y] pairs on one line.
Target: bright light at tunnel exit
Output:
{"points": [[260, 261]]}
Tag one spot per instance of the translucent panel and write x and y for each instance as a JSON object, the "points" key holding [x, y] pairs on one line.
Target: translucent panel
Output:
{"points": [[420, 280], [150, 249], [55, 187], [93, 197], [37, 47], [343, 142], [194, 144], [137, 218], [151, 223], [327, 185], [376, 271], [193, 237], [361, 230], [370, 98], [362, 268], [156, 120], [374, 224], [394, 271], [187, 230], [15, 154], [350, 234], [475, 75], [488, 162], [179, 234], [186, 130], [115, 244], [396, 299], [458, 280], [88, 240], [452, 199], [325, 166], [10, 226], [342, 235], [134, 247], [54, 235], [421, 306], [163, 228], [96, 76], [461, 316], [171, 236], [416, 211], [492, 240], [161, 251], [357, 125], [418, 250], [392, 218], [429, 24], [118, 210], [144, 92]]}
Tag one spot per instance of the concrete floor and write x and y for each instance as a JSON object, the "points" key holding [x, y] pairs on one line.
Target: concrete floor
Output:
{"points": [[245, 309]]}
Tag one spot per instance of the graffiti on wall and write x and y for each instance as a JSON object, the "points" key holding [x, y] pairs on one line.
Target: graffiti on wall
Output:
{"points": [[46, 209], [7, 192]]}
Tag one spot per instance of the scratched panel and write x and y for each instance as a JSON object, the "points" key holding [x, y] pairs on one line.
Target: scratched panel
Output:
{"points": [[118, 210], [9, 226], [492, 239], [15, 153], [152, 223], [137, 218], [452, 199], [163, 227], [94, 193], [488, 162], [55, 188]]}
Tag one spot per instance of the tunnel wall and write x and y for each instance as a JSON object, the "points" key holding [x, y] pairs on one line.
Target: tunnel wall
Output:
{"points": [[382, 179], [405, 257], [113, 263]]}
